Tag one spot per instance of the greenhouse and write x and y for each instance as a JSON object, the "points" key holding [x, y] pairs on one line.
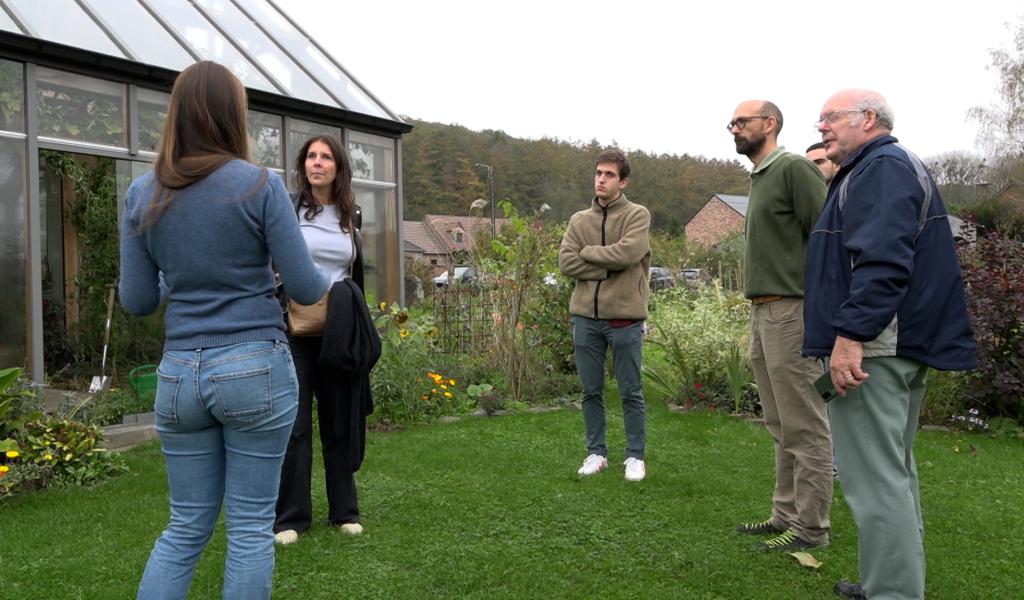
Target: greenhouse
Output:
{"points": [[96, 75]]}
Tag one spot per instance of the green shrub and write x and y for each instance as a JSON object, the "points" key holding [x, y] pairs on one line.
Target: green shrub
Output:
{"points": [[19, 402], [407, 380], [944, 397], [57, 452], [701, 354], [109, 407]]}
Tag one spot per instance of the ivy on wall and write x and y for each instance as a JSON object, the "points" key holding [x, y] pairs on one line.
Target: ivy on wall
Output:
{"points": [[94, 214]]}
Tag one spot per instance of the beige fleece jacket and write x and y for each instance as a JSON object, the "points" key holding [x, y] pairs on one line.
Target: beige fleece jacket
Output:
{"points": [[607, 250]]}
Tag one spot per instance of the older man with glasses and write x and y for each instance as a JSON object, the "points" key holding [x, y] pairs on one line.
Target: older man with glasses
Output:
{"points": [[885, 301], [786, 195]]}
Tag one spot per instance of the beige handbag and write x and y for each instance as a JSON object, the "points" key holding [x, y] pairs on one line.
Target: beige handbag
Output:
{"points": [[307, 320]]}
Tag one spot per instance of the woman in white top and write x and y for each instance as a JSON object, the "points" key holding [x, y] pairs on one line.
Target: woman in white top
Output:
{"points": [[328, 219]]}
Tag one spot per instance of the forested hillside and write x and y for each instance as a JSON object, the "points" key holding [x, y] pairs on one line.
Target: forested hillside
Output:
{"points": [[440, 178]]}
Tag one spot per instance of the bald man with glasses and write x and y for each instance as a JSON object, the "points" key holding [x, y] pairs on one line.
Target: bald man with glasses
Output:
{"points": [[786, 196]]}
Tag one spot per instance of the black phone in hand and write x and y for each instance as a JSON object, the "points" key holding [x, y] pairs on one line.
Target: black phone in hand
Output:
{"points": [[824, 386]]}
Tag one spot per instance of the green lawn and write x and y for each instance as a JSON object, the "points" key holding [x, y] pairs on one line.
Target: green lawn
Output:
{"points": [[492, 508]]}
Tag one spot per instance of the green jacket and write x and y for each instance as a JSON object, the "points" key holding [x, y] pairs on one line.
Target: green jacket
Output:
{"points": [[607, 250], [787, 193]]}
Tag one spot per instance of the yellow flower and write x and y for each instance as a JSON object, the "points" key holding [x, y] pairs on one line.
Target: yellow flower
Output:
{"points": [[451, 382], [382, 306], [47, 457], [403, 333], [447, 394], [4, 468], [443, 386], [11, 454]]}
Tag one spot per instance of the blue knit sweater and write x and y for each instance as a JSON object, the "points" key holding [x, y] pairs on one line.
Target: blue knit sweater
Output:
{"points": [[213, 247]]}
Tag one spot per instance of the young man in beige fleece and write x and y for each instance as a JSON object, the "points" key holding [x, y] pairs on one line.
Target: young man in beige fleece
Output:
{"points": [[607, 250]]}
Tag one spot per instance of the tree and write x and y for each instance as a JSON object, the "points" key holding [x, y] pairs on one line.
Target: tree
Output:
{"points": [[958, 175], [1002, 126]]}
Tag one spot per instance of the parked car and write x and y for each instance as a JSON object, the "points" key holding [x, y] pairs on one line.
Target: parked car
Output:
{"points": [[661, 279], [692, 277], [459, 275]]}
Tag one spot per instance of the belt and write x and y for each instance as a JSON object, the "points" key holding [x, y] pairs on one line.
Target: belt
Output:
{"points": [[764, 299]]}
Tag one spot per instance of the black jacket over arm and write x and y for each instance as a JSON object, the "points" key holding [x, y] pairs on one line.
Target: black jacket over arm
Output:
{"points": [[351, 346]]}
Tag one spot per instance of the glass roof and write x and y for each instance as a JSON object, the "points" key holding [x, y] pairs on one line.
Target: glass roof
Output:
{"points": [[253, 38], [63, 21]]}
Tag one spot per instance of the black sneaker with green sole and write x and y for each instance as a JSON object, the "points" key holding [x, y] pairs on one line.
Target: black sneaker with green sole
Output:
{"points": [[760, 528], [787, 541]]}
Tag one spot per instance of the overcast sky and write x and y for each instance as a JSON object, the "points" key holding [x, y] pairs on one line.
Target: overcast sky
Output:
{"points": [[662, 76]]}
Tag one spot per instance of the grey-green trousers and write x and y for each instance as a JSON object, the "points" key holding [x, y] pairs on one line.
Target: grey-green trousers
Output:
{"points": [[591, 338], [873, 431]]}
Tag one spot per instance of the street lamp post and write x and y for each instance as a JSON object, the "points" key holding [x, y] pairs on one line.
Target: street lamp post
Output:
{"points": [[490, 181]]}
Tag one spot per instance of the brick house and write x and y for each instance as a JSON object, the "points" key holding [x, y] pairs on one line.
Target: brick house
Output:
{"points": [[721, 215], [437, 238]]}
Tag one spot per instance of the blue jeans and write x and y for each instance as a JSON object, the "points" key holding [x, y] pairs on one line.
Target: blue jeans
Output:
{"points": [[224, 416]]}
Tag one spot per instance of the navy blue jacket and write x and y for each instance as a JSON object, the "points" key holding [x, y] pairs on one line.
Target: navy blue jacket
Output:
{"points": [[881, 264]]}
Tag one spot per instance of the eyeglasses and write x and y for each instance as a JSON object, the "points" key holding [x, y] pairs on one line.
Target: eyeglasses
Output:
{"points": [[831, 117], [741, 122]]}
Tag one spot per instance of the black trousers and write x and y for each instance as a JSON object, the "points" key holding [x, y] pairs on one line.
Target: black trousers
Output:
{"points": [[294, 505]]}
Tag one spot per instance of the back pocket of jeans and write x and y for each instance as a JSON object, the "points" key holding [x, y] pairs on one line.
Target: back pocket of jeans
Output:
{"points": [[165, 405], [244, 396]]}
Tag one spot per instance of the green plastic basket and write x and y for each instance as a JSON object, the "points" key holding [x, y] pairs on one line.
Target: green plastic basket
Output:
{"points": [[143, 381]]}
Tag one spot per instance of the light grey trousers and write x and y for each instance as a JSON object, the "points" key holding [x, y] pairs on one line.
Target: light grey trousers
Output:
{"points": [[873, 428]]}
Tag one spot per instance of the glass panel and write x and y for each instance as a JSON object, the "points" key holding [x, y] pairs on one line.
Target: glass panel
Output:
{"points": [[152, 107], [7, 24], [373, 156], [270, 57], [125, 172], [142, 33], [56, 349], [298, 132], [380, 241], [320, 65], [12, 93], [13, 341], [80, 108], [64, 22], [265, 139], [208, 42]]}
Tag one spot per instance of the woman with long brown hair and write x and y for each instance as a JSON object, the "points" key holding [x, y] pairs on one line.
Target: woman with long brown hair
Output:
{"points": [[329, 223], [200, 232]]}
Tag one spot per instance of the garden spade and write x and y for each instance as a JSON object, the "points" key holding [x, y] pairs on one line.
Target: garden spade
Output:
{"points": [[101, 382]]}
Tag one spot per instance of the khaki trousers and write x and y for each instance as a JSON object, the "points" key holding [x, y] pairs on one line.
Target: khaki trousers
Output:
{"points": [[795, 416]]}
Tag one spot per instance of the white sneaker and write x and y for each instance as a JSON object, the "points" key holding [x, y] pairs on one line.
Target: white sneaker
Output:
{"points": [[288, 536], [635, 469], [593, 464], [351, 528]]}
